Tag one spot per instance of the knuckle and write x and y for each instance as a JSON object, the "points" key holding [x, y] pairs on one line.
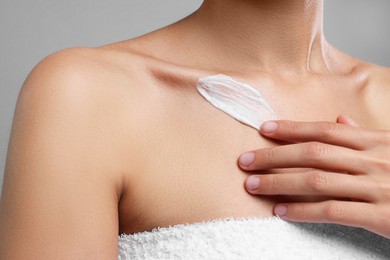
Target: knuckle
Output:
{"points": [[276, 183], [327, 129], [380, 137], [383, 190], [334, 211], [299, 211], [318, 182], [385, 165], [381, 165], [314, 150], [291, 128], [380, 220], [268, 156]]}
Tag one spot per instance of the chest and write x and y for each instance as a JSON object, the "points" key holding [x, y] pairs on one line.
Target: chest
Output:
{"points": [[190, 171]]}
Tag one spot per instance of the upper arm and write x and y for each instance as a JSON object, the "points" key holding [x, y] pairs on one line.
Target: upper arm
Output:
{"points": [[60, 189]]}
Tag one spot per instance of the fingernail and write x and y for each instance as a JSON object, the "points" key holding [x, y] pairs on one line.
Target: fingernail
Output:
{"points": [[252, 183], [269, 127], [280, 210], [247, 159]]}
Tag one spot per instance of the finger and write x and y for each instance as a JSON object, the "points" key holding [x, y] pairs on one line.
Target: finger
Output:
{"points": [[307, 155], [347, 121], [325, 132], [314, 183], [357, 214]]}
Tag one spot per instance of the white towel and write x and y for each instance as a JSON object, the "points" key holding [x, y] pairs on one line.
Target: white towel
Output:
{"points": [[254, 238]]}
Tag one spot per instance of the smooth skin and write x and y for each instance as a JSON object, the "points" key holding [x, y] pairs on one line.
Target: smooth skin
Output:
{"points": [[59, 199], [116, 139], [349, 163]]}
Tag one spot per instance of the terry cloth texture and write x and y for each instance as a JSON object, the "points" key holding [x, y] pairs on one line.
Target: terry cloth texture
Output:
{"points": [[254, 238]]}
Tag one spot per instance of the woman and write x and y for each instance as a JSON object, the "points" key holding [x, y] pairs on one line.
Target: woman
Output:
{"points": [[117, 140]]}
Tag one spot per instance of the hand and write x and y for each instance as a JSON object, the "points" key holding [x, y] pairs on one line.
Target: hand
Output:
{"points": [[348, 163]]}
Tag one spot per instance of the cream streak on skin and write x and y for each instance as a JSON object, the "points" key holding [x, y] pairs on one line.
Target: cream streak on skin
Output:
{"points": [[237, 99]]}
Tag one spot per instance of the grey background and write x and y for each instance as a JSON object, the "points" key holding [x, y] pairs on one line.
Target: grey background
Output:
{"points": [[30, 30]]}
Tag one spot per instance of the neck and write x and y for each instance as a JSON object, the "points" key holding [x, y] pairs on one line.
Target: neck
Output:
{"points": [[266, 34]]}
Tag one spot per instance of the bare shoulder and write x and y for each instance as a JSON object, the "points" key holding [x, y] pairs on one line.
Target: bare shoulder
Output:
{"points": [[99, 87], [66, 158], [87, 65], [102, 81]]}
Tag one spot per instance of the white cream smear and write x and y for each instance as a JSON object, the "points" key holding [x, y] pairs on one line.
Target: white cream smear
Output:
{"points": [[237, 99]]}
